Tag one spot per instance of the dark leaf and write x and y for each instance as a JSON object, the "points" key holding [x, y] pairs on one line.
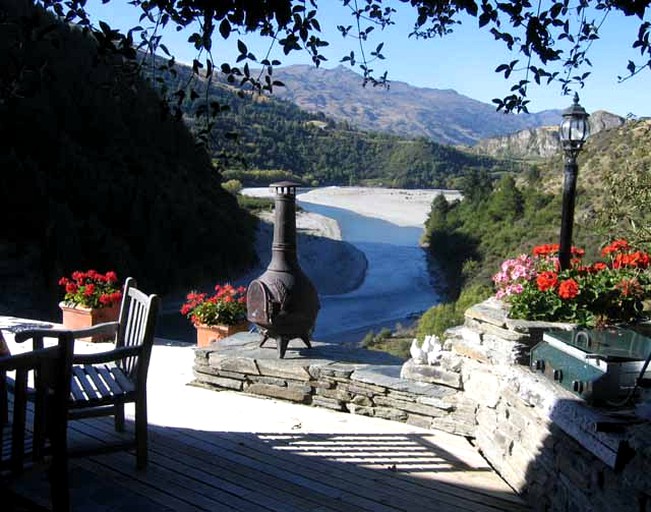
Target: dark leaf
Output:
{"points": [[225, 28]]}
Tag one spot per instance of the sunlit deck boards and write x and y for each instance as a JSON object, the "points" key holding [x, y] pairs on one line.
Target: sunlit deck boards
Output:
{"points": [[201, 470]]}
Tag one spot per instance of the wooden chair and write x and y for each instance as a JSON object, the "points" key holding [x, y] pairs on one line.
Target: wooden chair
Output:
{"points": [[103, 382], [47, 420]]}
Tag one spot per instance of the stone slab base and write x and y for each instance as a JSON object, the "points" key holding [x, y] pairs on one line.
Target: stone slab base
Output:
{"points": [[337, 377]]}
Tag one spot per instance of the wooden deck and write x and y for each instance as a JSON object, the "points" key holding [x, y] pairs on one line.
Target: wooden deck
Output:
{"points": [[224, 451], [218, 471]]}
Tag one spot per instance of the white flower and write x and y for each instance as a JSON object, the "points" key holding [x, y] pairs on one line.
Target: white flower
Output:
{"points": [[416, 352]]}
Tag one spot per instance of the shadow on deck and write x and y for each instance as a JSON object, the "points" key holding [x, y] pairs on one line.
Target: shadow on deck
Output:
{"points": [[286, 471]]}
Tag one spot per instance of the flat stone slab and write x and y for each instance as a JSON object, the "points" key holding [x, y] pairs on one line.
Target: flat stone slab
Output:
{"points": [[247, 345], [361, 367], [493, 312]]}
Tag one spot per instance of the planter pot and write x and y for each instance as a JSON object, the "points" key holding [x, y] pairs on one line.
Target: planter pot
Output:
{"points": [[206, 334], [79, 317]]}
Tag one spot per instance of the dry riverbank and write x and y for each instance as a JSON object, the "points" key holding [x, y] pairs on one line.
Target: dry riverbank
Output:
{"points": [[334, 266], [399, 206]]}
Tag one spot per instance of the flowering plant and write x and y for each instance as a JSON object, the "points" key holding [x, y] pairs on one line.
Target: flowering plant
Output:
{"points": [[608, 291], [91, 289], [227, 306]]}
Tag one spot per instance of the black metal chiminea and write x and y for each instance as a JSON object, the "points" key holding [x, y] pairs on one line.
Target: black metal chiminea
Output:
{"points": [[283, 302]]}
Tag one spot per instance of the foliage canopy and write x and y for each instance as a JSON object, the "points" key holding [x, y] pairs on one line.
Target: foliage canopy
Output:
{"points": [[550, 42]]}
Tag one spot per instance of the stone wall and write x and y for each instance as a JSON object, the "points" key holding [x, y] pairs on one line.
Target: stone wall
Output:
{"points": [[348, 380], [539, 437]]}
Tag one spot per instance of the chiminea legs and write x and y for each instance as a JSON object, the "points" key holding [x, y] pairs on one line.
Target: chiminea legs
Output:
{"points": [[282, 342]]}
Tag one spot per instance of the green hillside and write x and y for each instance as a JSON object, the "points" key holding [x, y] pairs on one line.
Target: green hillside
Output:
{"points": [[97, 175], [254, 132], [470, 239]]}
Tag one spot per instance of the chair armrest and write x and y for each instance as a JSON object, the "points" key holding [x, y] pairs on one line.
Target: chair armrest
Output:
{"points": [[106, 328], [25, 360], [106, 356]]}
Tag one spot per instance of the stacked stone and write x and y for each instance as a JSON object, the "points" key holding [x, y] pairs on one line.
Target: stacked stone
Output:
{"points": [[489, 335], [538, 436], [346, 381]]}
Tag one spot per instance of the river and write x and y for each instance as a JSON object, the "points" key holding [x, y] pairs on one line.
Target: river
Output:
{"points": [[397, 286]]}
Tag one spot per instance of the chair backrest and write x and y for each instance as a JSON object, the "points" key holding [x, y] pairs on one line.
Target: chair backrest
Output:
{"points": [[137, 323]]}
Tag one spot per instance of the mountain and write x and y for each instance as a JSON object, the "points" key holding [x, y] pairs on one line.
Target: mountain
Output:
{"points": [[542, 142], [443, 116], [257, 138]]}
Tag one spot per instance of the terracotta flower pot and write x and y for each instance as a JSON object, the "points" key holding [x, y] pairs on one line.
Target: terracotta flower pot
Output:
{"points": [[206, 334], [79, 317]]}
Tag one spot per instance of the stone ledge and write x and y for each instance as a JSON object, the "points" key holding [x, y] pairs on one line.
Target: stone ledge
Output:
{"points": [[333, 376]]}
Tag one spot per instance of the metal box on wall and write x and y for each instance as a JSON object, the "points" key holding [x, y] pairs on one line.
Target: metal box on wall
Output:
{"points": [[599, 365]]}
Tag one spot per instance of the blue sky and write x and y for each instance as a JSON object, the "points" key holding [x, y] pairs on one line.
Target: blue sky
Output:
{"points": [[464, 61]]}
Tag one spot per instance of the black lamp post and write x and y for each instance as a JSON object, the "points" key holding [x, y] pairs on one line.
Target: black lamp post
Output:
{"points": [[573, 132]]}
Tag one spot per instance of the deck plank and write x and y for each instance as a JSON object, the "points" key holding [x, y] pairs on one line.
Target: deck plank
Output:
{"points": [[285, 472], [263, 482]]}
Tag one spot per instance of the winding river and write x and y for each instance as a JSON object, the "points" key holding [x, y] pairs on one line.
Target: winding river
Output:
{"points": [[397, 286]]}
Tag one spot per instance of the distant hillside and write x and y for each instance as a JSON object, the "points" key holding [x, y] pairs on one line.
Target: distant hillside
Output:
{"points": [[443, 116], [264, 133], [96, 175], [542, 142], [472, 237]]}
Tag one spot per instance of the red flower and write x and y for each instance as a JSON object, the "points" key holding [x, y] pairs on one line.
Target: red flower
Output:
{"points": [[545, 250], [629, 288], [226, 306], [639, 259], [547, 280], [577, 252], [91, 289], [598, 266], [568, 289], [616, 246]]}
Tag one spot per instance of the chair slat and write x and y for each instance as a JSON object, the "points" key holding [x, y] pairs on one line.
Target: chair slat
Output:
{"points": [[108, 377], [75, 390], [102, 389], [80, 376], [126, 384]]}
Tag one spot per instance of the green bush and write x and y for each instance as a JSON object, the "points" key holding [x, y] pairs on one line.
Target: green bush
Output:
{"points": [[232, 186], [438, 319]]}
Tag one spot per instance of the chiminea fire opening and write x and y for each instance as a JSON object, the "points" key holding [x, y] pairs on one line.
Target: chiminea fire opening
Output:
{"points": [[283, 302]]}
